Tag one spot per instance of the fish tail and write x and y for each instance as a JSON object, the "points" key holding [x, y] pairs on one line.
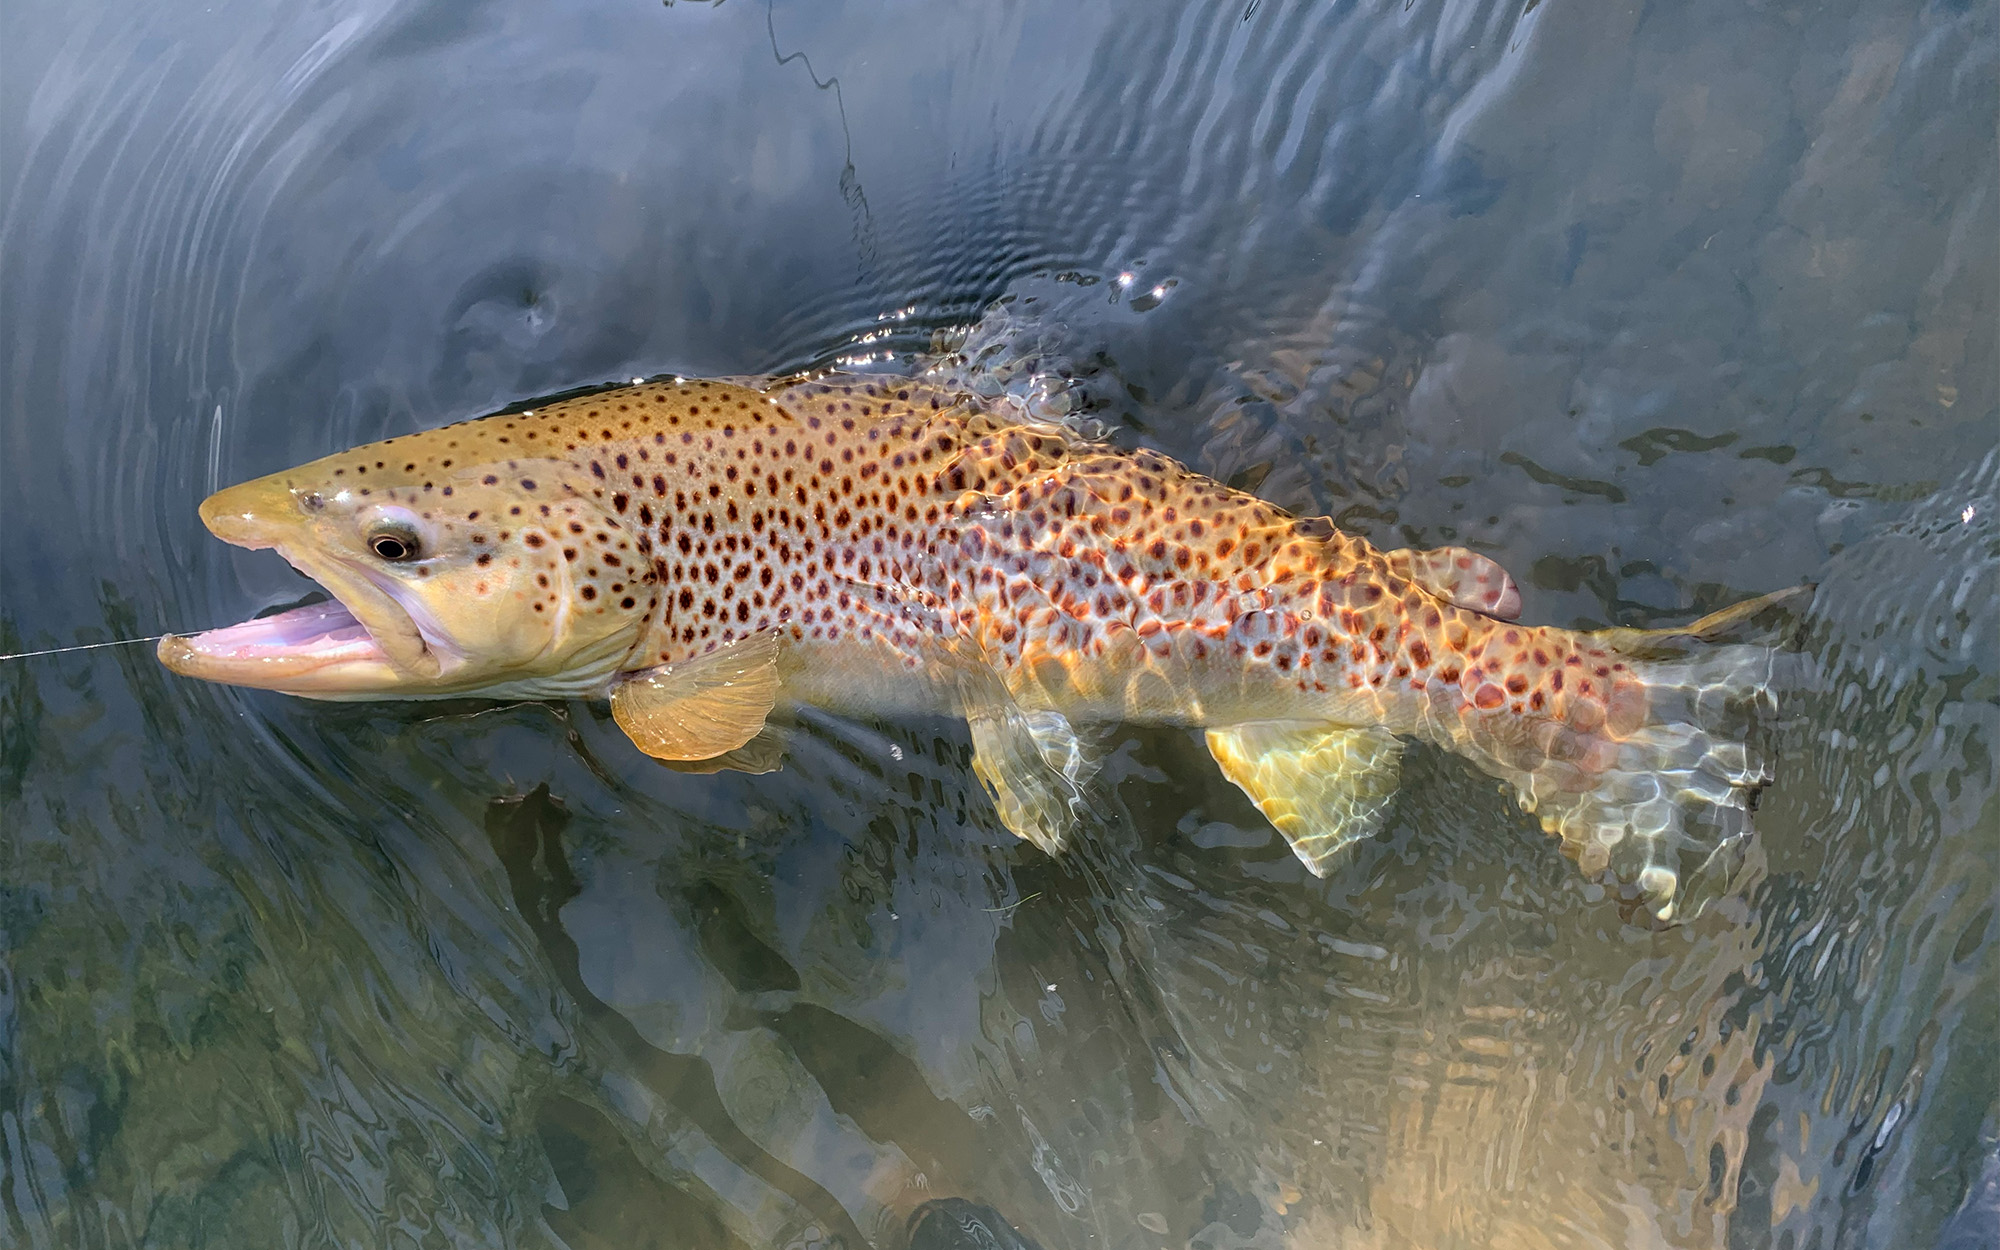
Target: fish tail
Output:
{"points": [[1643, 762]]}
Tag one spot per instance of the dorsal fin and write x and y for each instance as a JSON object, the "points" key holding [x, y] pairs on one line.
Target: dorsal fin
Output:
{"points": [[1461, 577]]}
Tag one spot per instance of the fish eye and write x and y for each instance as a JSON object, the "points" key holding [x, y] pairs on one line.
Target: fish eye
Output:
{"points": [[394, 545]]}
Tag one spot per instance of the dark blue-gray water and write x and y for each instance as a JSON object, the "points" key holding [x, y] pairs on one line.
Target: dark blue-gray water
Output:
{"points": [[1660, 305]]}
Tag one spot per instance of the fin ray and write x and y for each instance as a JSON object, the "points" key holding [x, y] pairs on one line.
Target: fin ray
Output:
{"points": [[1322, 787], [1662, 770], [1034, 767], [701, 708], [1033, 764], [764, 753]]}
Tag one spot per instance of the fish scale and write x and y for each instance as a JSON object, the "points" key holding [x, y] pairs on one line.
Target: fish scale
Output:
{"points": [[700, 550]]}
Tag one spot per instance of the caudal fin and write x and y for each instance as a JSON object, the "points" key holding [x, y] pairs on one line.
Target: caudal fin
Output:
{"points": [[1650, 771]]}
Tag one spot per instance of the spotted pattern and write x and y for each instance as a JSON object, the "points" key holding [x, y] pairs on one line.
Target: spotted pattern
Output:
{"points": [[680, 516], [851, 510]]}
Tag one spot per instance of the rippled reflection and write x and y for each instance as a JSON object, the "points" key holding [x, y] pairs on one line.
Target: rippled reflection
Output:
{"points": [[1657, 308]]}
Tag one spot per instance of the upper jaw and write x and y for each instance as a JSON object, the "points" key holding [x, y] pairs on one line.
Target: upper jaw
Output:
{"points": [[249, 515]]}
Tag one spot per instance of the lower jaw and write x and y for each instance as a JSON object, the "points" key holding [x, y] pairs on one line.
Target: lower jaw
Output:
{"points": [[346, 677], [318, 649]]}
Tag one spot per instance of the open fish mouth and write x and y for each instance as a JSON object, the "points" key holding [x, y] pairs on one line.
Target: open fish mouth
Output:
{"points": [[300, 638], [324, 650]]}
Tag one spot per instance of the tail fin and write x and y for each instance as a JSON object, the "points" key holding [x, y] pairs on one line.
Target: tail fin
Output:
{"points": [[1660, 770]]}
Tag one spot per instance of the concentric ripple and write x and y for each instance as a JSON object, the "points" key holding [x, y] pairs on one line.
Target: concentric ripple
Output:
{"points": [[1658, 307]]}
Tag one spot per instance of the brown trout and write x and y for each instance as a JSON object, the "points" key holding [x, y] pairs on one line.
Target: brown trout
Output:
{"points": [[702, 552]]}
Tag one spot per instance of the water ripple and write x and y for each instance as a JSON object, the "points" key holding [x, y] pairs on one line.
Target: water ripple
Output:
{"points": [[1657, 308]]}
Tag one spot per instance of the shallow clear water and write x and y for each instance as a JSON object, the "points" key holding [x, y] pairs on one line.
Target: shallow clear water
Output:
{"points": [[1658, 305]]}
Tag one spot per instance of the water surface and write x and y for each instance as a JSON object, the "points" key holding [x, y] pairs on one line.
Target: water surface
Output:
{"points": [[1659, 306]]}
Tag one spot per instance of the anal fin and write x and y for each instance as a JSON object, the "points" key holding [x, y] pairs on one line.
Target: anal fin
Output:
{"points": [[1323, 788], [704, 707]]}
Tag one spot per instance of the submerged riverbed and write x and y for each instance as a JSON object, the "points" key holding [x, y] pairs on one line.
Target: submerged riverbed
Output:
{"points": [[1658, 307]]}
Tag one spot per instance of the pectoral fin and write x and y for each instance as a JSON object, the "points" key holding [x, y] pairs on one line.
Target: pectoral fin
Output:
{"points": [[1461, 577], [701, 708], [1034, 766], [1322, 788]]}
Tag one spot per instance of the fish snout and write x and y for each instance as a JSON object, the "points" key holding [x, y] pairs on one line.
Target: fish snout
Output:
{"points": [[254, 514]]}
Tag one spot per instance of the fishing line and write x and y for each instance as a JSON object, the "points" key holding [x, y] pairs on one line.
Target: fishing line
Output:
{"points": [[88, 646]]}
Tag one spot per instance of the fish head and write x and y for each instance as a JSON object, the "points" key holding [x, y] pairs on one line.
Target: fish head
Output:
{"points": [[454, 569]]}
